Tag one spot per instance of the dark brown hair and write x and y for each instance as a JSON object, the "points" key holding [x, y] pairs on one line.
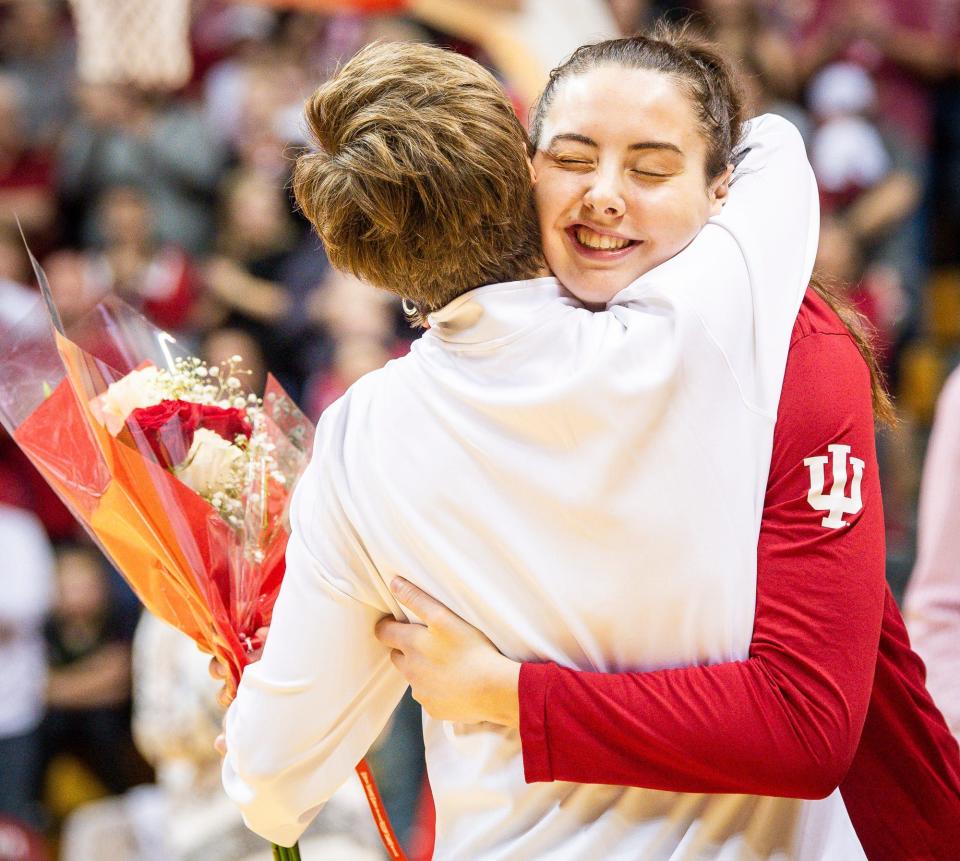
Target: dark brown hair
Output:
{"points": [[864, 336], [419, 182], [714, 89]]}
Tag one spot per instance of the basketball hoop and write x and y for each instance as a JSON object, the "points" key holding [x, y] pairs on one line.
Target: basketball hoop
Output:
{"points": [[139, 42]]}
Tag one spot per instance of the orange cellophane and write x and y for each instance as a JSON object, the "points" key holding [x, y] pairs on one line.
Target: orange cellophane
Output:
{"points": [[215, 583]]}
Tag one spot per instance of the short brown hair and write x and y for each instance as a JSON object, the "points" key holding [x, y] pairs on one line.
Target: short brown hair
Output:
{"points": [[419, 181]]}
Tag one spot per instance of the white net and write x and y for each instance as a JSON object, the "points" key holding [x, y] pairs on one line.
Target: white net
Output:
{"points": [[139, 42]]}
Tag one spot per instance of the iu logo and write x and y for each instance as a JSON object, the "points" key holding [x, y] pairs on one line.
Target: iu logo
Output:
{"points": [[835, 503]]}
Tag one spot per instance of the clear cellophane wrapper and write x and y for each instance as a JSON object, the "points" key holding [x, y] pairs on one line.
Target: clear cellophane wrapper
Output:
{"points": [[215, 582]]}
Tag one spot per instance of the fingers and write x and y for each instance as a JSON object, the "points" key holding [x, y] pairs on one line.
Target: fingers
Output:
{"points": [[218, 670], [424, 606], [396, 635]]}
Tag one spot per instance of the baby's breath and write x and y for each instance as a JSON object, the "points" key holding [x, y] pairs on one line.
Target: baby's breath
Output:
{"points": [[241, 500]]}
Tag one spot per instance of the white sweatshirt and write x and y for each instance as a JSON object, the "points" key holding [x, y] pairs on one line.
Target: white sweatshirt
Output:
{"points": [[585, 488]]}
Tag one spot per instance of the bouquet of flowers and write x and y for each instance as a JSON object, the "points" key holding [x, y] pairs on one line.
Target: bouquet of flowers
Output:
{"points": [[179, 473]]}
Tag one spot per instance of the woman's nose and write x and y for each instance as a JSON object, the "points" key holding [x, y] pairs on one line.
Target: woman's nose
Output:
{"points": [[604, 196]]}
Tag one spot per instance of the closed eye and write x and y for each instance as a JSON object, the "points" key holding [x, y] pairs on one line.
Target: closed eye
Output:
{"points": [[566, 161]]}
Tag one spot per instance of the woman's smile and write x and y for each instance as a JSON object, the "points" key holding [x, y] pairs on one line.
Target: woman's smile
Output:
{"points": [[598, 245]]}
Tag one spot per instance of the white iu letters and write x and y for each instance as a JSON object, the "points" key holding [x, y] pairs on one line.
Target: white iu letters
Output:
{"points": [[835, 504]]}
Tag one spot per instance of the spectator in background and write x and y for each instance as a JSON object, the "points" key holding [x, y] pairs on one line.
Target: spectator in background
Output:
{"points": [[247, 93], [744, 29], [272, 93], [749, 31], [362, 324], [932, 606], [869, 188], [38, 52], [225, 38], [851, 156], [88, 690], [904, 46], [16, 300], [157, 279], [122, 136], [259, 279], [26, 172], [26, 586]]}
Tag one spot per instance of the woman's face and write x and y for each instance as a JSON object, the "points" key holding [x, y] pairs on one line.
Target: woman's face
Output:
{"points": [[620, 179]]}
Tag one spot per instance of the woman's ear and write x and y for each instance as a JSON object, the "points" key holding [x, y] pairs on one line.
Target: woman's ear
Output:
{"points": [[532, 169], [719, 190]]}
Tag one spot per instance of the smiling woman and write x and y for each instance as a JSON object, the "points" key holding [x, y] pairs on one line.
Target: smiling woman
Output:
{"points": [[617, 199]]}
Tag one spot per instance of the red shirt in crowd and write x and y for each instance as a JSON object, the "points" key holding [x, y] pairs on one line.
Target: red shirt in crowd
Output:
{"points": [[816, 704], [904, 97]]}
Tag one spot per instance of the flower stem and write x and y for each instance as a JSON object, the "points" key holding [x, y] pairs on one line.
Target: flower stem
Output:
{"points": [[284, 853]]}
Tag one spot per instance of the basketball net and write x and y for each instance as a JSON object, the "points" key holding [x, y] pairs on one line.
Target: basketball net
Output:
{"points": [[140, 42]]}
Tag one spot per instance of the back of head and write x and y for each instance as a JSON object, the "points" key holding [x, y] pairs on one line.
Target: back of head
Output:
{"points": [[418, 182]]}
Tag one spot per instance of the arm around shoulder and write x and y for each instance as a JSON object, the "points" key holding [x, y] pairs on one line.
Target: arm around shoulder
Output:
{"points": [[786, 721]]}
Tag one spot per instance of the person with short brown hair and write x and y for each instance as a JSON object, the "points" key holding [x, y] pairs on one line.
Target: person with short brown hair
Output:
{"points": [[419, 183]]}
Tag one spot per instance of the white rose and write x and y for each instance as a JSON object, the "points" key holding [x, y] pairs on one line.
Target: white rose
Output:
{"points": [[210, 464], [137, 389]]}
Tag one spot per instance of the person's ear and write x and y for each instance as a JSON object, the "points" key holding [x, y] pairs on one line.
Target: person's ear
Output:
{"points": [[532, 169], [719, 190]]}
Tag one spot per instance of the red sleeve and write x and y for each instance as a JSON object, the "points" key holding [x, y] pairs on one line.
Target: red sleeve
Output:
{"points": [[787, 720], [903, 790]]}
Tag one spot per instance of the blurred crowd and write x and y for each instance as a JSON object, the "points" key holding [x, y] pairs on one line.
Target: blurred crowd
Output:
{"points": [[179, 203]]}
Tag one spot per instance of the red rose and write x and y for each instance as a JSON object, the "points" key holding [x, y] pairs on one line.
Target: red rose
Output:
{"points": [[229, 423], [167, 428]]}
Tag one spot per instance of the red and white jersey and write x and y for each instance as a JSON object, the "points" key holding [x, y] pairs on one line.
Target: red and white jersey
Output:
{"points": [[816, 704], [586, 488]]}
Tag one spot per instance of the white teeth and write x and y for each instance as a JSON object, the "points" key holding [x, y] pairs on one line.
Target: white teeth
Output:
{"points": [[586, 236]]}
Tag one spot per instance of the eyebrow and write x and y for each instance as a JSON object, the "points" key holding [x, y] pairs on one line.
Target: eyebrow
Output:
{"points": [[583, 139]]}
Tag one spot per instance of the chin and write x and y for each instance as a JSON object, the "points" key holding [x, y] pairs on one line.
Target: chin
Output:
{"points": [[596, 293], [594, 299]]}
